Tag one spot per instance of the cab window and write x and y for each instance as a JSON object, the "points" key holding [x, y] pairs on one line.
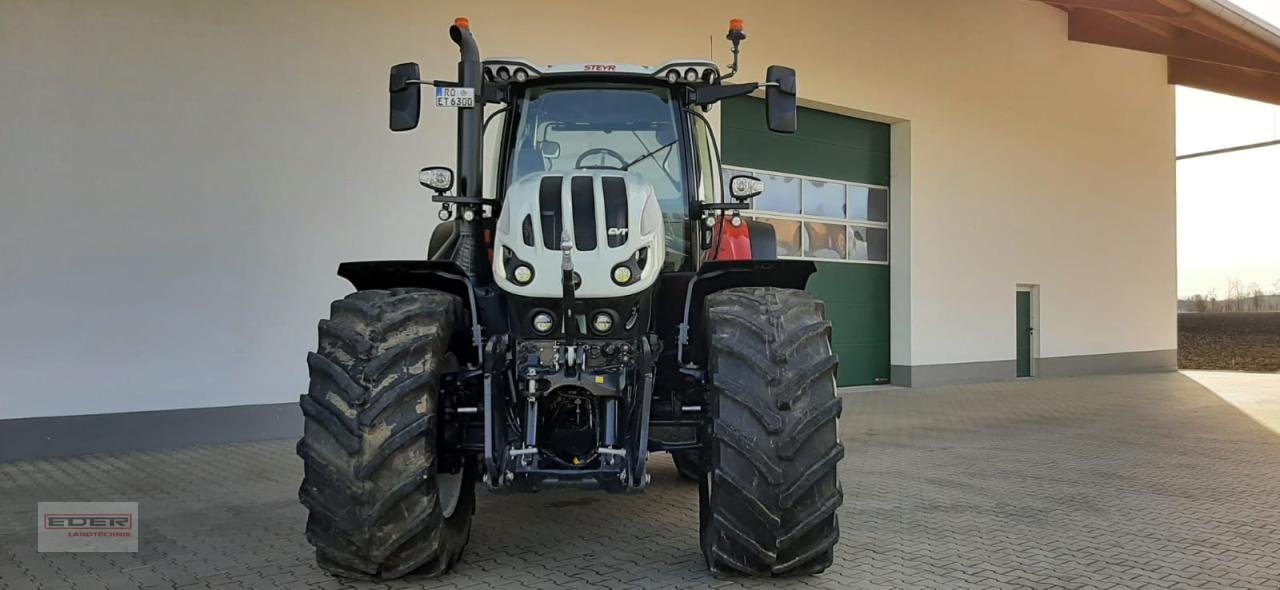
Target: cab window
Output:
{"points": [[708, 186]]}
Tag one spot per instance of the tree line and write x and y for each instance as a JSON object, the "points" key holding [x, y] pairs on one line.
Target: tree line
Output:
{"points": [[1239, 297]]}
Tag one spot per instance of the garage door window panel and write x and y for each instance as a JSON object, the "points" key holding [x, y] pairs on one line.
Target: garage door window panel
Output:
{"points": [[823, 199], [781, 193], [868, 204], [788, 233], [868, 244], [824, 240], [821, 218]]}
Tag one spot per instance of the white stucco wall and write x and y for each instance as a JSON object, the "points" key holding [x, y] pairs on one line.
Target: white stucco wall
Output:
{"points": [[179, 179]]}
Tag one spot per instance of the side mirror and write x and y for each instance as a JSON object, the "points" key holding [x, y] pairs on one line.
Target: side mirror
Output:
{"points": [[406, 96], [549, 149], [743, 187], [436, 178], [780, 99]]}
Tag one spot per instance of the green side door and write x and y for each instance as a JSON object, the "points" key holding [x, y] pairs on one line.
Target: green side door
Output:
{"points": [[829, 155], [1024, 333]]}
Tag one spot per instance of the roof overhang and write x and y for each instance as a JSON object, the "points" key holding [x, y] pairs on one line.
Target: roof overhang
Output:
{"points": [[1211, 44]]}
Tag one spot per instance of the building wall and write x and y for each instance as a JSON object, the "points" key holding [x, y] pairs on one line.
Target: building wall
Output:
{"points": [[180, 179]]}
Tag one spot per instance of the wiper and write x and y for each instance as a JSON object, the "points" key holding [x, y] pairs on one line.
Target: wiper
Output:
{"points": [[649, 155]]}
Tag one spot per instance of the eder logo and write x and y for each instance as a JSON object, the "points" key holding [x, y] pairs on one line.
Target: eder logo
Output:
{"points": [[88, 521], [87, 526]]}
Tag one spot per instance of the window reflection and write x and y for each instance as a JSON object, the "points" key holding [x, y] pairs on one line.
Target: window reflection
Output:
{"points": [[868, 243], [868, 204], [788, 235], [824, 199], [878, 205], [825, 240], [781, 194], [858, 202]]}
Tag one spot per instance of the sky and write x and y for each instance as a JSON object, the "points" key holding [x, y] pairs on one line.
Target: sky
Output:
{"points": [[1228, 205]]}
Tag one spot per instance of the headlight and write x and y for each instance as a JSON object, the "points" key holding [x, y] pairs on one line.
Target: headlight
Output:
{"points": [[543, 322], [521, 75], [522, 274], [621, 275], [673, 75], [691, 75], [602, 323]]}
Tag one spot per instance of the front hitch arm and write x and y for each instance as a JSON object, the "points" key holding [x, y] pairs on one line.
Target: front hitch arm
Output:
{"points": [[566, 290]]}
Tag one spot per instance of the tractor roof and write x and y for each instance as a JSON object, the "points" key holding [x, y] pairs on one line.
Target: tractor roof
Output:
{"points": [[676, 70]]}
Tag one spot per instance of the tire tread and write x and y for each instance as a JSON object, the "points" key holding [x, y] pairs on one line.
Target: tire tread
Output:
{"points": [[773, 445], [370, 424]]}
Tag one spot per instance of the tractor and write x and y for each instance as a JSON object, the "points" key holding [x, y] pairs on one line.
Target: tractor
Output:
{"points": [[606, 300]]}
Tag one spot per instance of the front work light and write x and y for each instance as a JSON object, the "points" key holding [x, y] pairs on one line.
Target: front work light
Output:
{"points": [[436, 178], [522, 274], [543, 323], [743, 187], [602, 323], [621, 275]]}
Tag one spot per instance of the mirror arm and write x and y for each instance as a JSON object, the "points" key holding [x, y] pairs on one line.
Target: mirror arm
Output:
{"points": [[436, 83], [491, 92], [712, 94], [726, 206]]}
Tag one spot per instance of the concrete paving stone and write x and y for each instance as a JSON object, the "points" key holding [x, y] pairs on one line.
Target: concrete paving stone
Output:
{"points": [[1104, 482]]}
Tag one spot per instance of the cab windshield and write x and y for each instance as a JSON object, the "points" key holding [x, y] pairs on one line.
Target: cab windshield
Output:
{"points": [[622, 127]]}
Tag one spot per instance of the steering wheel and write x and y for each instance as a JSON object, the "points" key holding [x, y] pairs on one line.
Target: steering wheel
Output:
{"points": [[603, 152]]}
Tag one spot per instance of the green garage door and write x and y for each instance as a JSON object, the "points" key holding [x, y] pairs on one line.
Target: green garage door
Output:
{"points": [[826, 194]]}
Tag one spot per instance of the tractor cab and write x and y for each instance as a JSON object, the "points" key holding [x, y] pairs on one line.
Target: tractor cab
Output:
{"points": [[645, 121], [607, 121]]}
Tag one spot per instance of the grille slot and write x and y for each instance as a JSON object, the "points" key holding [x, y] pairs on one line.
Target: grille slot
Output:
{"points": [[552, 214], [583, 200], [526, 230], [615, 209]]}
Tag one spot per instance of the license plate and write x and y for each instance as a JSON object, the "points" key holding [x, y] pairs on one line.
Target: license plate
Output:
{"points": [[455, 97]]}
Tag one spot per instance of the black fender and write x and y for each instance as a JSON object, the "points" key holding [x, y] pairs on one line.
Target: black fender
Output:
{"points": [[727, 274], [441, 275], [764, 240]]}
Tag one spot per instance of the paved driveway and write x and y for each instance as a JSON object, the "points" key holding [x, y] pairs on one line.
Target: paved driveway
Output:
{"points": [[1129, 481]]}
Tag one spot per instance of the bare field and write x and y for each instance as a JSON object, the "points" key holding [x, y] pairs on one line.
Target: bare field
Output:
{"points": [[1229, 341]]}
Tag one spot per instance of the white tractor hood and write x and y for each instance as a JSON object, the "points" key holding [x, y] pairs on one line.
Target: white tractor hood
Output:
{"points": [[610, 216]]}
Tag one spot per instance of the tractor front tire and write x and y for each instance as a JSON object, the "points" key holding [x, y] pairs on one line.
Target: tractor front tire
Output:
{"points": [[379, 507], [769, 497]]}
